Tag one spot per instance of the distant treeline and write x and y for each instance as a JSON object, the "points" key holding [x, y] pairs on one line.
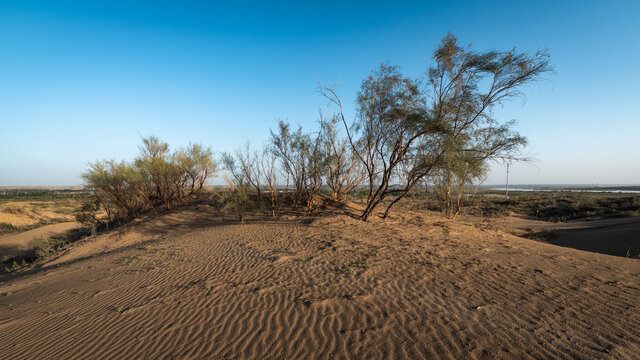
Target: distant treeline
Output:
{"points": [[26, 194]]}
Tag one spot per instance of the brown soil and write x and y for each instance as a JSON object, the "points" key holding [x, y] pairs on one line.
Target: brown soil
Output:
{"points": [[189, 285]]}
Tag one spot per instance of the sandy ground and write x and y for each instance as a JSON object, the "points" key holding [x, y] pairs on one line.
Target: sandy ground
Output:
{"points": [[29, 213], [620, 238], [191, 286], [18, 244], [616, 236]]}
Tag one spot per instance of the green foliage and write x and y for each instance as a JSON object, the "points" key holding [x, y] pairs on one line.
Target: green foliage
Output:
{"points": [[86, 214], [290, 147], [303, 158], [441, 126], [20, 194], [15, 266], [407, 132], [343, 168], [550, 206], [156, 178], [230, 164], [195, 163], [117, 185], [44, 247], [235, 200]]}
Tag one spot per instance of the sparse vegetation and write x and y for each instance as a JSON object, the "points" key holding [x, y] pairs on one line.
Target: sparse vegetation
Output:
{"points": [[302, 159], [87, 214], [44, 247], [271, 177], [43, 195], [22, 210], [40, 248], [15, 266], [407, 132], [444, 131], [157, 179], [6, 228], [546, 206], [235, 200]]}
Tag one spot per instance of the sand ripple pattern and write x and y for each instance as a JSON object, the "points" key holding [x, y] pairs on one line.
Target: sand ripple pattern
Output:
{"points": [[330, 289]]}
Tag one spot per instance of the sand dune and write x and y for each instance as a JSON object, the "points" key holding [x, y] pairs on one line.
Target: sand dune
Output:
{"points": [[328, 288], [613, 236], [18, 244]]}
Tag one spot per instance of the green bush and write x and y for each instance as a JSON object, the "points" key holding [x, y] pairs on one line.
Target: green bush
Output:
{"points": [[45, 247], [155, 179], [235, 200], [87, 214], [15, 266]]}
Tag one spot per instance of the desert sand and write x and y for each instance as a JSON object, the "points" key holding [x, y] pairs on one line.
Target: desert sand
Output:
{"points": [[18, 244], [619, 237], [612, 236], [190, 285], [32, 213]]}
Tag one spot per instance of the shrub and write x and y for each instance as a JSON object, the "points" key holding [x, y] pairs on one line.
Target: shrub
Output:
{"points": [[45, 247], [87, 214], [155, 179], [6, 228], [15, 266], [303, 159], [235, 200]]}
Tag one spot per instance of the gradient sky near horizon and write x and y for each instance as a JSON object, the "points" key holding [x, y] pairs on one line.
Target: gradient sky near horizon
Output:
{"points": [[83, 80]]}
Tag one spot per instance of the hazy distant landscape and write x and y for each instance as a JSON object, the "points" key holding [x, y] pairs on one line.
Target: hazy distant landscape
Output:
{"points": [[625, 189]]}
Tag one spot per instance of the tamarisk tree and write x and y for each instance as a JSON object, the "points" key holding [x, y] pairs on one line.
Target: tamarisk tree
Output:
{"points": [[156, 179], [408, 132]]}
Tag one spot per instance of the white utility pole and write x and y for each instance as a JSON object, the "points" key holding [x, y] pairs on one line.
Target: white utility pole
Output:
{"points": [[506, 194]]}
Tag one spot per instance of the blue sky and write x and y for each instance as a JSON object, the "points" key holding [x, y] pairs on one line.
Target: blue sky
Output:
{"points": [[83, 80]]}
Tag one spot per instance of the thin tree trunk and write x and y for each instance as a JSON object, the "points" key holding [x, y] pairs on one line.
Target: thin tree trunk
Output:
{"points": [[447, 200], [458, 205], [404, 192]]}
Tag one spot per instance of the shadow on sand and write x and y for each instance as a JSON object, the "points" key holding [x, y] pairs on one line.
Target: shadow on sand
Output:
{"points": [[618, 238]]}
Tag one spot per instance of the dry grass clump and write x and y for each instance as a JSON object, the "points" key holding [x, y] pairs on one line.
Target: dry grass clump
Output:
{"points": [[7, 228], [44, 247]]}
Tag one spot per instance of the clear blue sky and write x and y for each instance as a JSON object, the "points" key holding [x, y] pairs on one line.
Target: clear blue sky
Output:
{"points": [[82, 80]]}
